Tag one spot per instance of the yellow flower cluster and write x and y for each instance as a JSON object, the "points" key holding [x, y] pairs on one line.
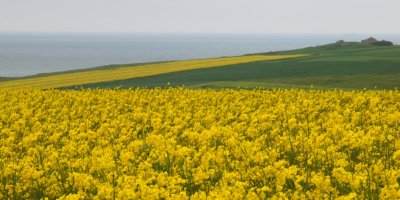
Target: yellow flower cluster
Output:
{"points": [[178, 143]]}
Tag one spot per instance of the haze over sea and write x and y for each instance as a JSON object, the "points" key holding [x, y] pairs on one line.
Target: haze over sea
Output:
{"points": [[23, 54]]}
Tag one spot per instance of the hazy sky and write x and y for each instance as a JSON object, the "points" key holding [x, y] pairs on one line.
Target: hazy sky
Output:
{"points": [[210, 16]]}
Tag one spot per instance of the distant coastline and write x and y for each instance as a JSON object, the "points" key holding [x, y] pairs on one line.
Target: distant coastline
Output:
{"points": [[24, 54]]}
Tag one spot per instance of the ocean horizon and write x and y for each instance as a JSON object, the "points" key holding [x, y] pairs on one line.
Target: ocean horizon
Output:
{"points": [[24, 54]]}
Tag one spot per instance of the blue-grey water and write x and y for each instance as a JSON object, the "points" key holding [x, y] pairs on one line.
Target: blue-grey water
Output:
{"points": [[23, 54]]}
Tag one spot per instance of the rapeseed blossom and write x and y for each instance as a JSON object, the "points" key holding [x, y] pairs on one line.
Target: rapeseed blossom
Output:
{"points": [[179, 143]]}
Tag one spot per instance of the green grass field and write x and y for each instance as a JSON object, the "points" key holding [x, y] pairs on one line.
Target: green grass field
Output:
{"points": [[355, 66], [96, 75]]}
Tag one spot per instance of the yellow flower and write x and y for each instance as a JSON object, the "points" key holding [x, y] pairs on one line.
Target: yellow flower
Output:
{"points": [[179, 143]]}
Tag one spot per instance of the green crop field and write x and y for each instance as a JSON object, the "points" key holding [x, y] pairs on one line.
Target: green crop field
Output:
{"points": [[95, 76], [350, 66], [355, 66]]}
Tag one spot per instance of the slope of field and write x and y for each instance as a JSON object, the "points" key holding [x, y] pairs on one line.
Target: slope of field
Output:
{"points": [[126, 72], [355, 66], [199, 144]]}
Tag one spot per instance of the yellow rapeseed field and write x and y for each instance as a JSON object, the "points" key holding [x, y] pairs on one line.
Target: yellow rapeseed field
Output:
{"points": [[96, 76], [178, 143]]}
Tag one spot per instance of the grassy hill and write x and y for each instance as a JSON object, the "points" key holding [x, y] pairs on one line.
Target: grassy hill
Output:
{"points": [[109, 74], [350, 66], [347, 66]]}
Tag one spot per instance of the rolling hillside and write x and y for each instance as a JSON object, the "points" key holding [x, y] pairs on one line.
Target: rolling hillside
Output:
{"points": [[350, 66], [97, 75], [354, 66]]}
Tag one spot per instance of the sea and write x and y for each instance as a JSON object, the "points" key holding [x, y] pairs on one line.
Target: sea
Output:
{"points": [[24, 54]]}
